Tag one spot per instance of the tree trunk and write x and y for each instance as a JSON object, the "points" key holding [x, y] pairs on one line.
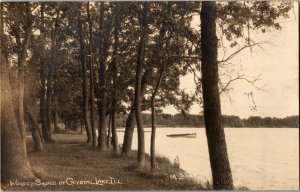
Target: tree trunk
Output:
{"points": [[67, 124], [22, 54], [81, 126], [55, 84], [20, 110], [51, 66], [103, 52], [130, 122], [129, 128], [94, 136], [14, 163], [34, 128], [221, 172], [55, 113], [157, 60], [102, 79], [139, 69], [43, 111], [114, 132], [85, 106], [55, 95], [48, 103], [40, 134], [108, 132], [115, 79], [32, 121], [153, 118]]}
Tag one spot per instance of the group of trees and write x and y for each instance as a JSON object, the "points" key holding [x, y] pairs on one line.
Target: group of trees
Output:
{"points": [[189, 120], [92, 61], [193, 120]]}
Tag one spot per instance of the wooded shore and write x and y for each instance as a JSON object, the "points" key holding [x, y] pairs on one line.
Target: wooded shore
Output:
{"points": [[83, 64], [68, 164]]}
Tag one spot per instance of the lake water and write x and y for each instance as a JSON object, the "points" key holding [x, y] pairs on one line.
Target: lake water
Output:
{"points": [[260, 158]]}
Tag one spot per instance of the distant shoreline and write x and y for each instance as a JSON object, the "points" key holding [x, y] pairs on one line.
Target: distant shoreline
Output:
{"points": [[229, 121], [163, 127]]}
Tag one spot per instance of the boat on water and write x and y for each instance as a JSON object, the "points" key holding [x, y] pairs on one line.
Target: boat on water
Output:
{"points": [[186, 135]]}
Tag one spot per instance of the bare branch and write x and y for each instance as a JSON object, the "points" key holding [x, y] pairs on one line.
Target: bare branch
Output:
{"points": [[225, 88], [238, 51]]}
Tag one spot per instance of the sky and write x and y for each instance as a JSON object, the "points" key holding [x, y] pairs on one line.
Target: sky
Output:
{"points": [[277, 64]]}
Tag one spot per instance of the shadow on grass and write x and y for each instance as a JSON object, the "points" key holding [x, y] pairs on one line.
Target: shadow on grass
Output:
{"points": [[69, 157]]}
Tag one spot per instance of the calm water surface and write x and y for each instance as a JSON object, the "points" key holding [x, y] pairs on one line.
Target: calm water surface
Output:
{"points": [[260, 158]]}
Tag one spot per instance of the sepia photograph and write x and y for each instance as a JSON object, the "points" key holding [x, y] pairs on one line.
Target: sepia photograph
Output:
{"points": [[149, 95]]}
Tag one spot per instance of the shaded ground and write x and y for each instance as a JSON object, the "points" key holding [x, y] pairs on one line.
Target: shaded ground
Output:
{"points": [[68, 164]]}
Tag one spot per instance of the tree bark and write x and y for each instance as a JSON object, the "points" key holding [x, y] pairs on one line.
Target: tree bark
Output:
{"points": [[115, 80], [221, 172], [157, 60], [48, 102], [22, 54], [114, 132], [55, 95], [85, 106], [103, 52], [55, 84], [139, 68], [153, 118], [14, 163], [34, 128], [108, 132], [43, 109], [129, 128], [51, 66], [81, 126], [55, 113], [94, 136], [102, 78], [32, 121], [130, 121]]}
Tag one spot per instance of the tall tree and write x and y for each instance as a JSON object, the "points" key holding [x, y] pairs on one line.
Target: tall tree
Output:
{"points": [[43, 66], [30, 99], [102, 76], [108, 139], [94, 136], [130, 121], [14, 163], [138, 78], [85, 98], [104, 45], [180, 32], [34, 128], [115, 78], [221, 172], [55, 88], [51, 67], [157, 61], [153, 117], [22, 55]]}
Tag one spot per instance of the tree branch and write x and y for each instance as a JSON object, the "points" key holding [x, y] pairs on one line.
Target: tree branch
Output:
{"points": [[237, 52], [238, 77]]}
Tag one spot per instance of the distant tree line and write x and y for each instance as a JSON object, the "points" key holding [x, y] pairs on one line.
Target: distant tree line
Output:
{"points": [[188, 120]]}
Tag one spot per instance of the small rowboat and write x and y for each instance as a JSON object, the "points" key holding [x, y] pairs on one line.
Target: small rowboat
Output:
{"points": [[186, 135]]}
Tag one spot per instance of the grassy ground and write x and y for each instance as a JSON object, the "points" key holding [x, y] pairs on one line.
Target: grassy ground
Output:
{"points": [[68, 164]]}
